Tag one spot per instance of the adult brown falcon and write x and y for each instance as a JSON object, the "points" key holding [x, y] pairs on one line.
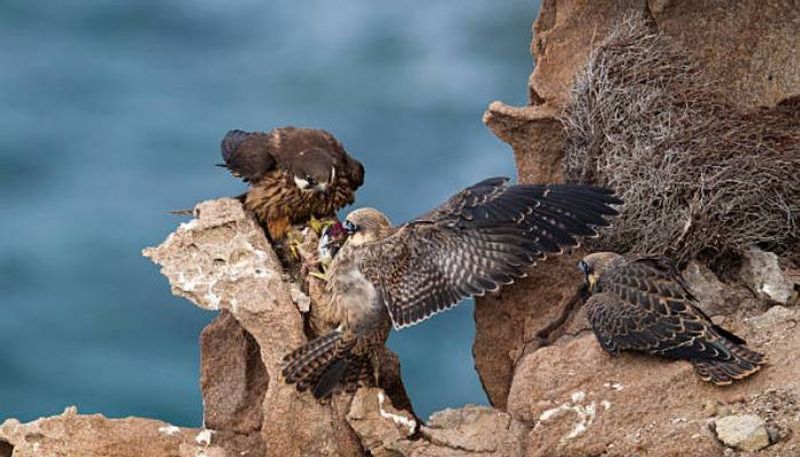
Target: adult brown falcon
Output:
{"points": [[643, 304], [482, 238], [294, 174]]}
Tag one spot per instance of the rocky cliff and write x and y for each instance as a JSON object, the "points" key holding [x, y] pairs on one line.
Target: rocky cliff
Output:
{"points": [[565, 399]]}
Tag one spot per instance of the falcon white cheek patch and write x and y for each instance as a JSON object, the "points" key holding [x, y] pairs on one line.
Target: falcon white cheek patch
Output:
{"points": [[301, 183]]}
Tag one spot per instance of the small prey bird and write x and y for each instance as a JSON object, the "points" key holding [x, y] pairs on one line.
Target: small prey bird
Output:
{"points": [[295, 174], [486, 236], [643, 304]]}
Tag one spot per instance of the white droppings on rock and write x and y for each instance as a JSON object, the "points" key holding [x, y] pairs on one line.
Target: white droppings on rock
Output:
{"points": [[168, 430], [396, 418], [214, 266], [204, 437], [190, 225], [553, 413], [214, 300], [586, 414]]}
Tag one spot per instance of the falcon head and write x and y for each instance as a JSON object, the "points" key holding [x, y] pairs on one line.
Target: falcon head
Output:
{"points": [[313, 170], [366, 225], [594, 265]]}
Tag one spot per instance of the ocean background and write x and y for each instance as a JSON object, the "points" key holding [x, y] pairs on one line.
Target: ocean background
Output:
{"points": [[111, 115]]}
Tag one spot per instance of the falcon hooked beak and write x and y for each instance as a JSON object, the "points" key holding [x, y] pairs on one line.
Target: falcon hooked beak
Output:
{"points": [[590, 276], [594, 265], [314, 181], [309, 184]]}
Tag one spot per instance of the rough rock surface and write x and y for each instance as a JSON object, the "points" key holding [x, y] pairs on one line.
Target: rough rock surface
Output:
{"points": [[762, 273], [233, 378], [222, 260], [468, 431], [477, 430], [508, 321], [73, 434], [584, 402], [746, 432], [576, 399], [757, 66], [715, 296]]}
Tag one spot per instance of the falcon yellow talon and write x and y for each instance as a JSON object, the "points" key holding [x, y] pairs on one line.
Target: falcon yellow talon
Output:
{"points": [[315, 225], [294, 242], [319, 275]]}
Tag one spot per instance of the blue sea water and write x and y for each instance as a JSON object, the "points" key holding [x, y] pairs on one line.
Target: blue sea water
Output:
{"points": [[111, 115]]}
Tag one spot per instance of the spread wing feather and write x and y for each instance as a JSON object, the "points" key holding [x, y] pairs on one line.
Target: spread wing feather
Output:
{"points": [[247, 155], [484, 237]]}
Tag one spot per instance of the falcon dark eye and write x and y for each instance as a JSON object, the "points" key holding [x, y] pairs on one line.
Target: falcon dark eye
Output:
{"points": [[350, 227], [310, 180]]}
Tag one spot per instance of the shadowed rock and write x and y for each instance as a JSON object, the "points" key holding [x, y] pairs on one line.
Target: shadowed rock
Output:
{"points": [[233, 379]]}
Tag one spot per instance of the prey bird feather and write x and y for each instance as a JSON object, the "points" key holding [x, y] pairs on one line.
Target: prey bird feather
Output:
{"points": [[484, 237], [643, 304]]}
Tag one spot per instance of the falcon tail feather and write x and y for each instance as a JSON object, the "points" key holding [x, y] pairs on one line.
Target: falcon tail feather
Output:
{"points": [[743, 363], [321, 364]]}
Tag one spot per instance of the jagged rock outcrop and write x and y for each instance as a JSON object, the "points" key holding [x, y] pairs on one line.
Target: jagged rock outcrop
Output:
{"points": [[222, 260], [73, 434]]}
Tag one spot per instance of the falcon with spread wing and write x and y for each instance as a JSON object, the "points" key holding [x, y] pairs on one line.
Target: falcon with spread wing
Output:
{"points": [[486, 236], [643, 304], [294, 174]]}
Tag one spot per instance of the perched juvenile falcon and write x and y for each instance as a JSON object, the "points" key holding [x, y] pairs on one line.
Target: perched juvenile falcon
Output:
{"points": [[643, 304], [484, 237], [294, 174]]}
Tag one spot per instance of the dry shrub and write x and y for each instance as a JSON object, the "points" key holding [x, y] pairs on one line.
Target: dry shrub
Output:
{"points": [[698, 176]]}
